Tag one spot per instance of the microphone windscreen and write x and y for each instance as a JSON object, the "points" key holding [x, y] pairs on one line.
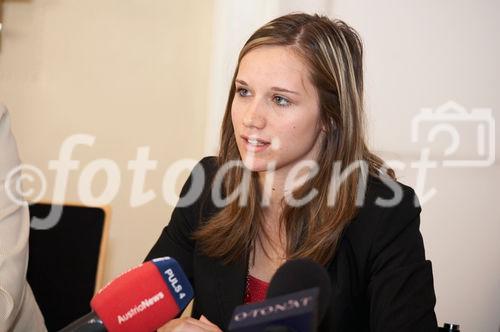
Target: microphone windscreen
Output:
{"points": [[299, 274], [143, 298], [295, 312]]}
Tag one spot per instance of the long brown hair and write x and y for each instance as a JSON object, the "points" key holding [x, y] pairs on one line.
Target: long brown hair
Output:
{"points": [[333, 53]]}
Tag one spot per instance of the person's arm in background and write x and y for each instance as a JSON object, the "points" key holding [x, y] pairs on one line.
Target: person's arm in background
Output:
{"points": [[18, 309]]}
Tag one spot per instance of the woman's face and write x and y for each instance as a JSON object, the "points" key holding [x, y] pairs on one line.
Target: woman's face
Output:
{"points": [[275, 110]]}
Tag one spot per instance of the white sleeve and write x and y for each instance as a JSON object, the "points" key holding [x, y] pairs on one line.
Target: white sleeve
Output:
{"points": [[18, 309]]}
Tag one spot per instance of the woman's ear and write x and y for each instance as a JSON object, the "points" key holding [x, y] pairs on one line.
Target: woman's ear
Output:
{"points": [[332, 126]]}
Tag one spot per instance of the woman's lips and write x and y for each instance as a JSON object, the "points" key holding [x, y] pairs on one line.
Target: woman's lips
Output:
{"points": [[255, 144]]}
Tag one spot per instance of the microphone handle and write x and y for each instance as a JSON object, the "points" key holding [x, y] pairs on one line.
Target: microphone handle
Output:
{"points": [[88, 323], [278, 328]]}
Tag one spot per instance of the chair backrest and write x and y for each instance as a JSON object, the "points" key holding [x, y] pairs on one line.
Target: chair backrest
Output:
{"points": [[66, 262]]}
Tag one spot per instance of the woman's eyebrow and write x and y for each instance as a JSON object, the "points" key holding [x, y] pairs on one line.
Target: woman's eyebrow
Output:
{"points": [[274, 88], [241, 82]]}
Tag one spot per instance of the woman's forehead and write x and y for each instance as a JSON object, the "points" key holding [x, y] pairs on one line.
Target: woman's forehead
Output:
{"points": [[279, 66]]}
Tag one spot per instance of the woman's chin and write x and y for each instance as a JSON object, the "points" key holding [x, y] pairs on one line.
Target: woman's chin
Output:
{"points": [[255, 165]]}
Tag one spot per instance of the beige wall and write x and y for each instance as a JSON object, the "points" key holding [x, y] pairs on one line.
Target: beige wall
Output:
{"points": [[130, 73]]}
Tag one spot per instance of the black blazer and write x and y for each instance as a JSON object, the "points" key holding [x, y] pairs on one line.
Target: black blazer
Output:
{"points": [[381, 280]]}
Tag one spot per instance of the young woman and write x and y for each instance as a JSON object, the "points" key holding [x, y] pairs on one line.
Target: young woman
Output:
{"points": [[294, 178]]}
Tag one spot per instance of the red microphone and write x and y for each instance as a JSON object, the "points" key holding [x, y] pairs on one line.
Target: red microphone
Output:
{"points": [[140, 300]]}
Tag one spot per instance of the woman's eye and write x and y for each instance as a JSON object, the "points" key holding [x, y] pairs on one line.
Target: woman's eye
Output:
{"points": [[281, 101], [242, 92]]}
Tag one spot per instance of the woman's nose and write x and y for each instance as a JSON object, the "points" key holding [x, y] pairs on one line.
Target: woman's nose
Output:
{"points": [[254, 116]]}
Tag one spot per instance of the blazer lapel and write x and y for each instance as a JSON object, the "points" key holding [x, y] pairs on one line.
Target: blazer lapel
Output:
{"points": [[230, 287]]}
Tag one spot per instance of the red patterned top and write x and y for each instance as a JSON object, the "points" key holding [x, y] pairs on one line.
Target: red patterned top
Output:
{"points": [[256, 290]]}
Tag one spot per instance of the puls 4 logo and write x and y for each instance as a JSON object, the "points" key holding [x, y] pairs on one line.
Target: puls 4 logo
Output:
{"points": [[174, 282]]}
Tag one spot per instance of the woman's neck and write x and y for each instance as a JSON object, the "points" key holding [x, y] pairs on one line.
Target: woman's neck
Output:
{"points": [[276, 185]]}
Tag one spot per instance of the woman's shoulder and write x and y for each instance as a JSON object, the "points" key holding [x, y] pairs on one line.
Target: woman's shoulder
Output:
{"points": [[388, 193], [196, 192], [201, 174], [209, 164], [388, 207]]}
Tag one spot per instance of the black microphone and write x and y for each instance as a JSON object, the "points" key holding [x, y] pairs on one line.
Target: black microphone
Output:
{"points": [[297, 300], [88, 323], [299, 274]]}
